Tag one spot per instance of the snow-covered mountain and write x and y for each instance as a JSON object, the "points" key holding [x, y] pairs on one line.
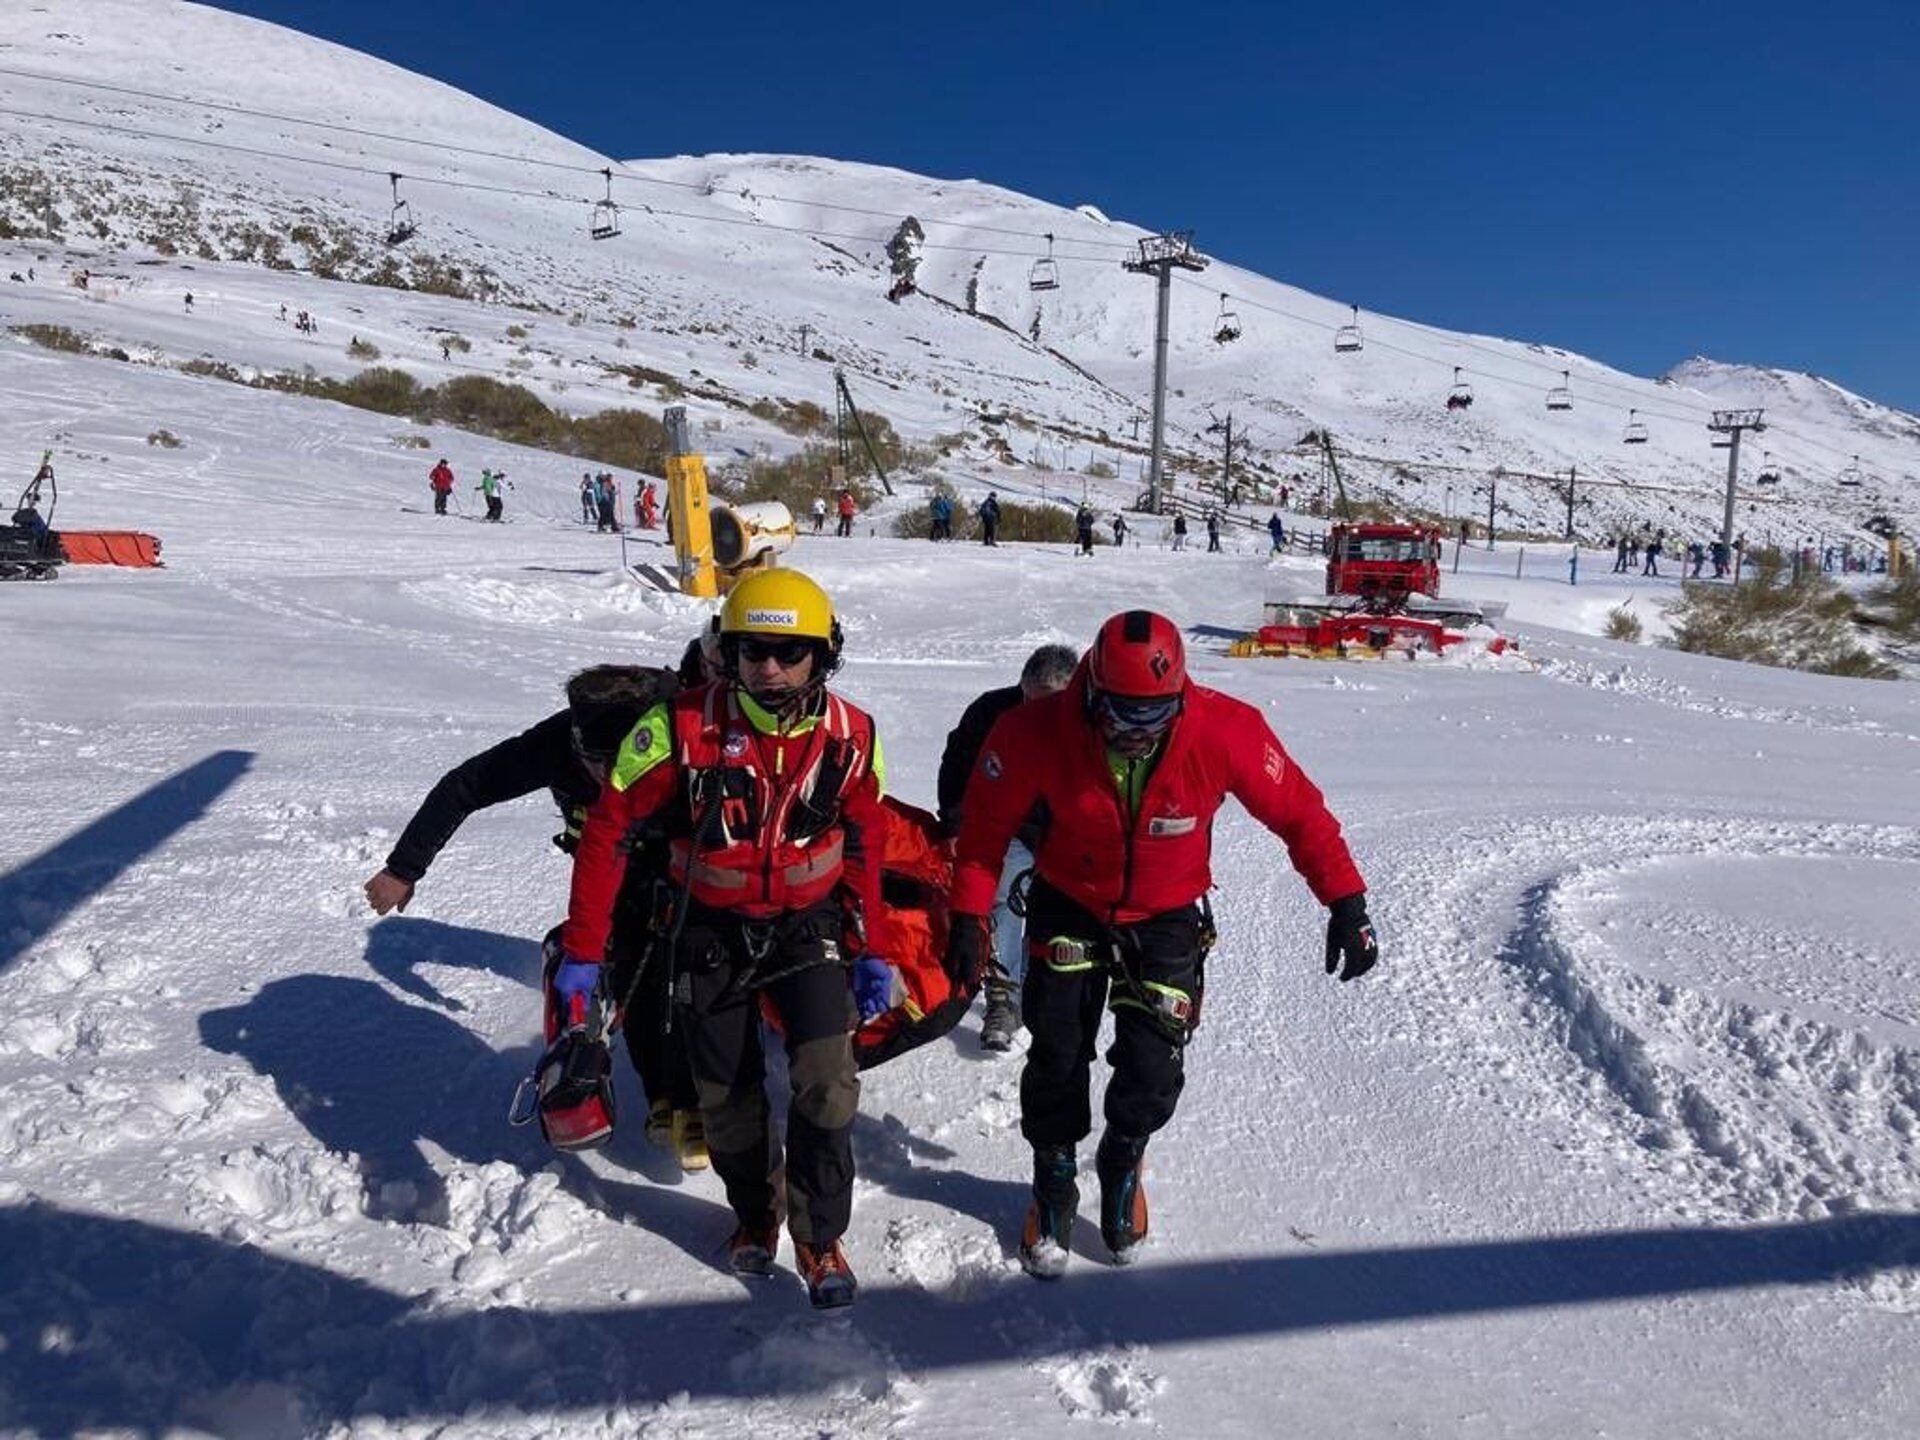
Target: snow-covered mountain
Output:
{"points": [[731, 272], [1622, 1137]]}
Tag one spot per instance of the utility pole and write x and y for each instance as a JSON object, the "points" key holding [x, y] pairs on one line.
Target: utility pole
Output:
{"points": [[1732, 423], [1160, 256], [805, 332], [1493, 490], [1226, 457], [1572, 471]]}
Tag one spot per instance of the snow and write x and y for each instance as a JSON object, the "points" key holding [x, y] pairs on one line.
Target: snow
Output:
{"points": [[1622, 1138]]}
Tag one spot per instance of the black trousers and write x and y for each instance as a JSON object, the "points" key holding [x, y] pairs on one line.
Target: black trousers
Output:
{"points": [[439, 502], [1148, 973], [845, 529], [639, 974], [725, 967]]}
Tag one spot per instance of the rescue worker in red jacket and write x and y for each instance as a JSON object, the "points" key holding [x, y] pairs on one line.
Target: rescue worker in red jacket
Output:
{"points": [[765, 783], [1128, 765]]}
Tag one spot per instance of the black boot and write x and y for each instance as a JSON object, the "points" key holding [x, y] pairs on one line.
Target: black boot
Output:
{"points": [[1123, 1198], [1045, 1241]]}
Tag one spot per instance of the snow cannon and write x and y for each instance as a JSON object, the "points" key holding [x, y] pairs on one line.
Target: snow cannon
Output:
{"points": [[751, 536]]}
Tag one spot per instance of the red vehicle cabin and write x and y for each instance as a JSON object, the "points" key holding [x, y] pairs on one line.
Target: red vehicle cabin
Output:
{"points": [[1383, 564]]}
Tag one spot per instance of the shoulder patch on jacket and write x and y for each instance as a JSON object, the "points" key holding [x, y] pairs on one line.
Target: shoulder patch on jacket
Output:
{"points": [[646, 746]]}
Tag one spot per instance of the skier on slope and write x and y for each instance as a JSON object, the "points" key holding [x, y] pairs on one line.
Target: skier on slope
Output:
{"points": [[607, 495], [1213, 531], [768, 788], [649, 506], [1119, 528], [990, 519], [1116, 912], [1046, 672], [847, 510], [819, 512], [1277, 532], [489, 488], [440, 479], [1083, 528], [589, 499], [566, 755]]}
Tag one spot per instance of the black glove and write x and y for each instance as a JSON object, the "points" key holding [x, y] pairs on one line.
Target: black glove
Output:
{"points": [[969, 948], [1350, 938]]}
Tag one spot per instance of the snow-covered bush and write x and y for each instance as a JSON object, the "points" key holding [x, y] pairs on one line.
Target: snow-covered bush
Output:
{"points": [[1772, 618], [1623, 624]]}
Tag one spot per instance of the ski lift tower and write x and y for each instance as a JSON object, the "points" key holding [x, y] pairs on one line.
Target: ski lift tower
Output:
{"points": [[1160, 256], [1732, 423]]}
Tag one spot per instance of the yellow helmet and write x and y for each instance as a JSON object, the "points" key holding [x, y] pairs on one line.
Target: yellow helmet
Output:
{"points": [[780, 602]]}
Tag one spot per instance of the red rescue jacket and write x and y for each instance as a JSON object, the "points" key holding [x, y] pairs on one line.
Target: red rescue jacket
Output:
{"points": [[783, 819], [1047, 752], [911, 936], [440, 478]]}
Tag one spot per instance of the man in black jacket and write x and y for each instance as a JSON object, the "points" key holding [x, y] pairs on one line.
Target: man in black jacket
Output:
{"points": [[1048, 669], [565, 754]]}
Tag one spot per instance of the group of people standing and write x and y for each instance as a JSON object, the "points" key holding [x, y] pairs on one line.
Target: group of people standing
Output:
{"points": [[1646, 551], [728, 827]]}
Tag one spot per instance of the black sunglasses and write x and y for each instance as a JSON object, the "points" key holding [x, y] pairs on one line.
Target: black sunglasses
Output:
{"points": [[753, 650]]}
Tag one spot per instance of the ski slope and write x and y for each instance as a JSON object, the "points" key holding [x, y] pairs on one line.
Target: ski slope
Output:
{"points": [[1620, 1139], [733, 272]]}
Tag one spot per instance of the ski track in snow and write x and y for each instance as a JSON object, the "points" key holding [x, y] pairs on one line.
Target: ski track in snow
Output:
{"points": [[1802, 1104]]}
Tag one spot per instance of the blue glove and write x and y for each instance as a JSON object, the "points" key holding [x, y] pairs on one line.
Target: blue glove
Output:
{"points": [[872, 986], [575, 982]]}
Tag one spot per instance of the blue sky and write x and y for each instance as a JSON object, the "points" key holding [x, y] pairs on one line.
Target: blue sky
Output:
{"points": [[1638, 182]]}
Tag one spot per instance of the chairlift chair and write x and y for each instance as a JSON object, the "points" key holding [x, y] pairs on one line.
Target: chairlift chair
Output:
{"points": [[1636, 430], [1461, 396], [1769, 471], [1346, 340], [400, 226], [1560, 397], [1853, 476], [605, 223], [1044, 275], [1226, 326]]}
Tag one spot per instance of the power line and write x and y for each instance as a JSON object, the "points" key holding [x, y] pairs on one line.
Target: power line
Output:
{"points": [[756, 222], [624, 174], [749, 221], [1700, 418]]}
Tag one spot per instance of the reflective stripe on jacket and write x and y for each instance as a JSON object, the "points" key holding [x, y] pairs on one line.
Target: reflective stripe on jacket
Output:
{"points": [[759, 821]]}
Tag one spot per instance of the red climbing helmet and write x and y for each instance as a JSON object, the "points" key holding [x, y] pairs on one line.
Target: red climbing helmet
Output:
{"points": [[1138, 655]]}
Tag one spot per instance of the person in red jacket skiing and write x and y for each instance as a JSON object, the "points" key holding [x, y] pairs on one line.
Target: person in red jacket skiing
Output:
{"points": [[440, 478], [767, 786], [1129, 765]]}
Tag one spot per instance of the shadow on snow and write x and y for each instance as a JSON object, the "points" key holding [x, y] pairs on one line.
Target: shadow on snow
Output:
{"points": [[397, 947], [115, 1323], [37, 895]]}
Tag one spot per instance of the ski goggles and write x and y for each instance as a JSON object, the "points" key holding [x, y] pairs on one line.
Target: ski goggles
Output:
{"points": [[1119, 712], [754, 649]]}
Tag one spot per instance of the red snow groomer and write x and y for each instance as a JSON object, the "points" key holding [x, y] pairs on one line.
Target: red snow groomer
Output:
{"points": [[1382, 599], [31, 549]]}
